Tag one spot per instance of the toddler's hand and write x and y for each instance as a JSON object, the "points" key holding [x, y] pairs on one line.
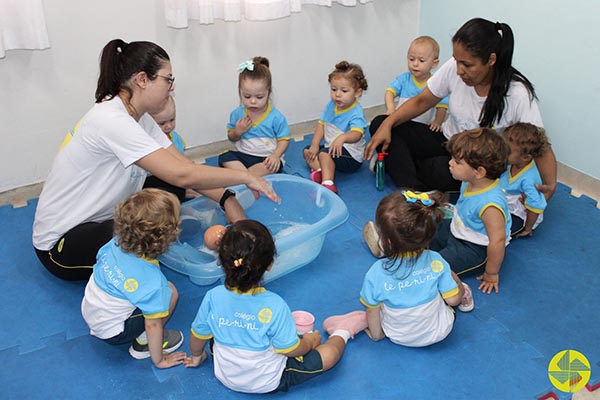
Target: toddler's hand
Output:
{"points": [[336, 147], [194, 361], [170, 360], [313, 338], [242, 125], [311, 153], [272, 163], [489, 282], [524, 233], [435, 127]]}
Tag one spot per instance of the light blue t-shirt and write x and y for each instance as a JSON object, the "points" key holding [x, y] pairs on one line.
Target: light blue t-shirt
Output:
{"points": [[262, 137], [467, 223], [251, 332], [524, 183], [127, 277], [405, 87], [336, 122], [177, 141], [408, 287]]}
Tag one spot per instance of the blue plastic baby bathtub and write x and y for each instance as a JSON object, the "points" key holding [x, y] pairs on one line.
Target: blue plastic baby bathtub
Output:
{"points": [[299, 223]]}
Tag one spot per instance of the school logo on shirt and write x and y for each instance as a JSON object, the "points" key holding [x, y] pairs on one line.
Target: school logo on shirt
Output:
{"points": [[569, 371], [131, 285], [436, 266], [265, 315]]}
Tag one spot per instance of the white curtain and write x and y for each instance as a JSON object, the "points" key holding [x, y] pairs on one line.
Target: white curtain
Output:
{"points": [[22, 26], [178, 12]]}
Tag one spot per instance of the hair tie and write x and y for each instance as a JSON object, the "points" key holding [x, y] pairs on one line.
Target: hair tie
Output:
{"points": [[238, 262], [499, 29], [119, 50], [246, 65], [413, 197]]}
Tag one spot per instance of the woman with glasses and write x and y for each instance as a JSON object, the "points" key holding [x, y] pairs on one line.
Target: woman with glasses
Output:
{"points": [[109, 153]]}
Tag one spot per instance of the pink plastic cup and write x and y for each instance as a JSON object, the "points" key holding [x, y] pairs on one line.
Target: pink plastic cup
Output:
{"points": [[305, 321]]}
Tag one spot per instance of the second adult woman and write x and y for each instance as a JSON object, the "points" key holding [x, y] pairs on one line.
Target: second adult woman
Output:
{"points": [[110, 152], [484, 90]]}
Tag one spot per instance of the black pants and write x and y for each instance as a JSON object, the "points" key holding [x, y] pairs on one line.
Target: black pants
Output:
{"points": [[154, 182], [73, 257], [417, 157]]}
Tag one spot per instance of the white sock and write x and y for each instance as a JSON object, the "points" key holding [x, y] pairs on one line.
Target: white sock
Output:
{"points": [[341, 333], [327, 182], [142, 339]]}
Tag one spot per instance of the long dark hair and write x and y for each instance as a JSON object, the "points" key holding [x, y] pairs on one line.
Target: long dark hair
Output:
{"points": [[246, 251], [481, 38], [120, 61]]}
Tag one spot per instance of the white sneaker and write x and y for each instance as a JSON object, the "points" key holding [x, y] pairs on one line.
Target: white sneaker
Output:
{"points": [[372, 162], [371, 237], [467, 303]]}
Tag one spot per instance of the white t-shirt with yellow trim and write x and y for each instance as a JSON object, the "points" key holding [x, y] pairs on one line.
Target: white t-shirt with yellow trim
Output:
{"points": [[95, 170]]}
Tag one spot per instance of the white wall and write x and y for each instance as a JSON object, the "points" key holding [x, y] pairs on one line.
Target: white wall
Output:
{"points": [[556, 47], [44, 93]]}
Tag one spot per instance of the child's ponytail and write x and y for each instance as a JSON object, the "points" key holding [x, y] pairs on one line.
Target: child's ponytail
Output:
{"points": [[255, 69], [407, 222], [247, 249], [352, 72]]}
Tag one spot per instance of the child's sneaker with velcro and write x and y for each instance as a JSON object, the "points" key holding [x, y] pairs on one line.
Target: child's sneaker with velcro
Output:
{"points": [[172, 340]]}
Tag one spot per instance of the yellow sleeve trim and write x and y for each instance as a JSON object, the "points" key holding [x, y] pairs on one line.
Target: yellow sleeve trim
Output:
{"points": [[202, 337], [157, 315], [359, 130], [534, 210], [284, 138], [442, 106], [392, 91], [492, 205], [291, 348], [450, 293], [368, 305], [321, 122]]}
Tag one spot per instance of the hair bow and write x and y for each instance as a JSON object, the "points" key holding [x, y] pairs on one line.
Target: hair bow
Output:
{"points": [[238, 262], [412, 197], [246, 65]]}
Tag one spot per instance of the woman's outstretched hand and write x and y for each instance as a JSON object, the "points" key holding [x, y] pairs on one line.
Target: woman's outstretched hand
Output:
{"points": [[260, 185], [383, 137]]}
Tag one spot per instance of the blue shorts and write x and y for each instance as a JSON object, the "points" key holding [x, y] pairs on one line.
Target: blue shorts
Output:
{"points": [[344, 163], [300, 369], [247, 160], [463, 256], [134, 326]]}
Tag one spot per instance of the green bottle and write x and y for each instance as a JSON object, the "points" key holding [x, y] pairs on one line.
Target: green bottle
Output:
{"points": [[380, 171]]}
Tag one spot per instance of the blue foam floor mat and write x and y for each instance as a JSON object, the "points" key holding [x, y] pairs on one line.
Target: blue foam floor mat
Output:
{"points": [[548, 302]]}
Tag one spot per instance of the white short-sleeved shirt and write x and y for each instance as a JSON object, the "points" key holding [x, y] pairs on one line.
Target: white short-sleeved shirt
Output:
{"points": [[95, 170], [464, 105]]}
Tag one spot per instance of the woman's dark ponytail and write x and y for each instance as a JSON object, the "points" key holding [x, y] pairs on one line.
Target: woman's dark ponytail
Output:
{"points": [[109, 80], [481, 38], [120, 60]]}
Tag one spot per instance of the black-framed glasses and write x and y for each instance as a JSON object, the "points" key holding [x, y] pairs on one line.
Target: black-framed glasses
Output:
{"points": [[170, 79]]}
